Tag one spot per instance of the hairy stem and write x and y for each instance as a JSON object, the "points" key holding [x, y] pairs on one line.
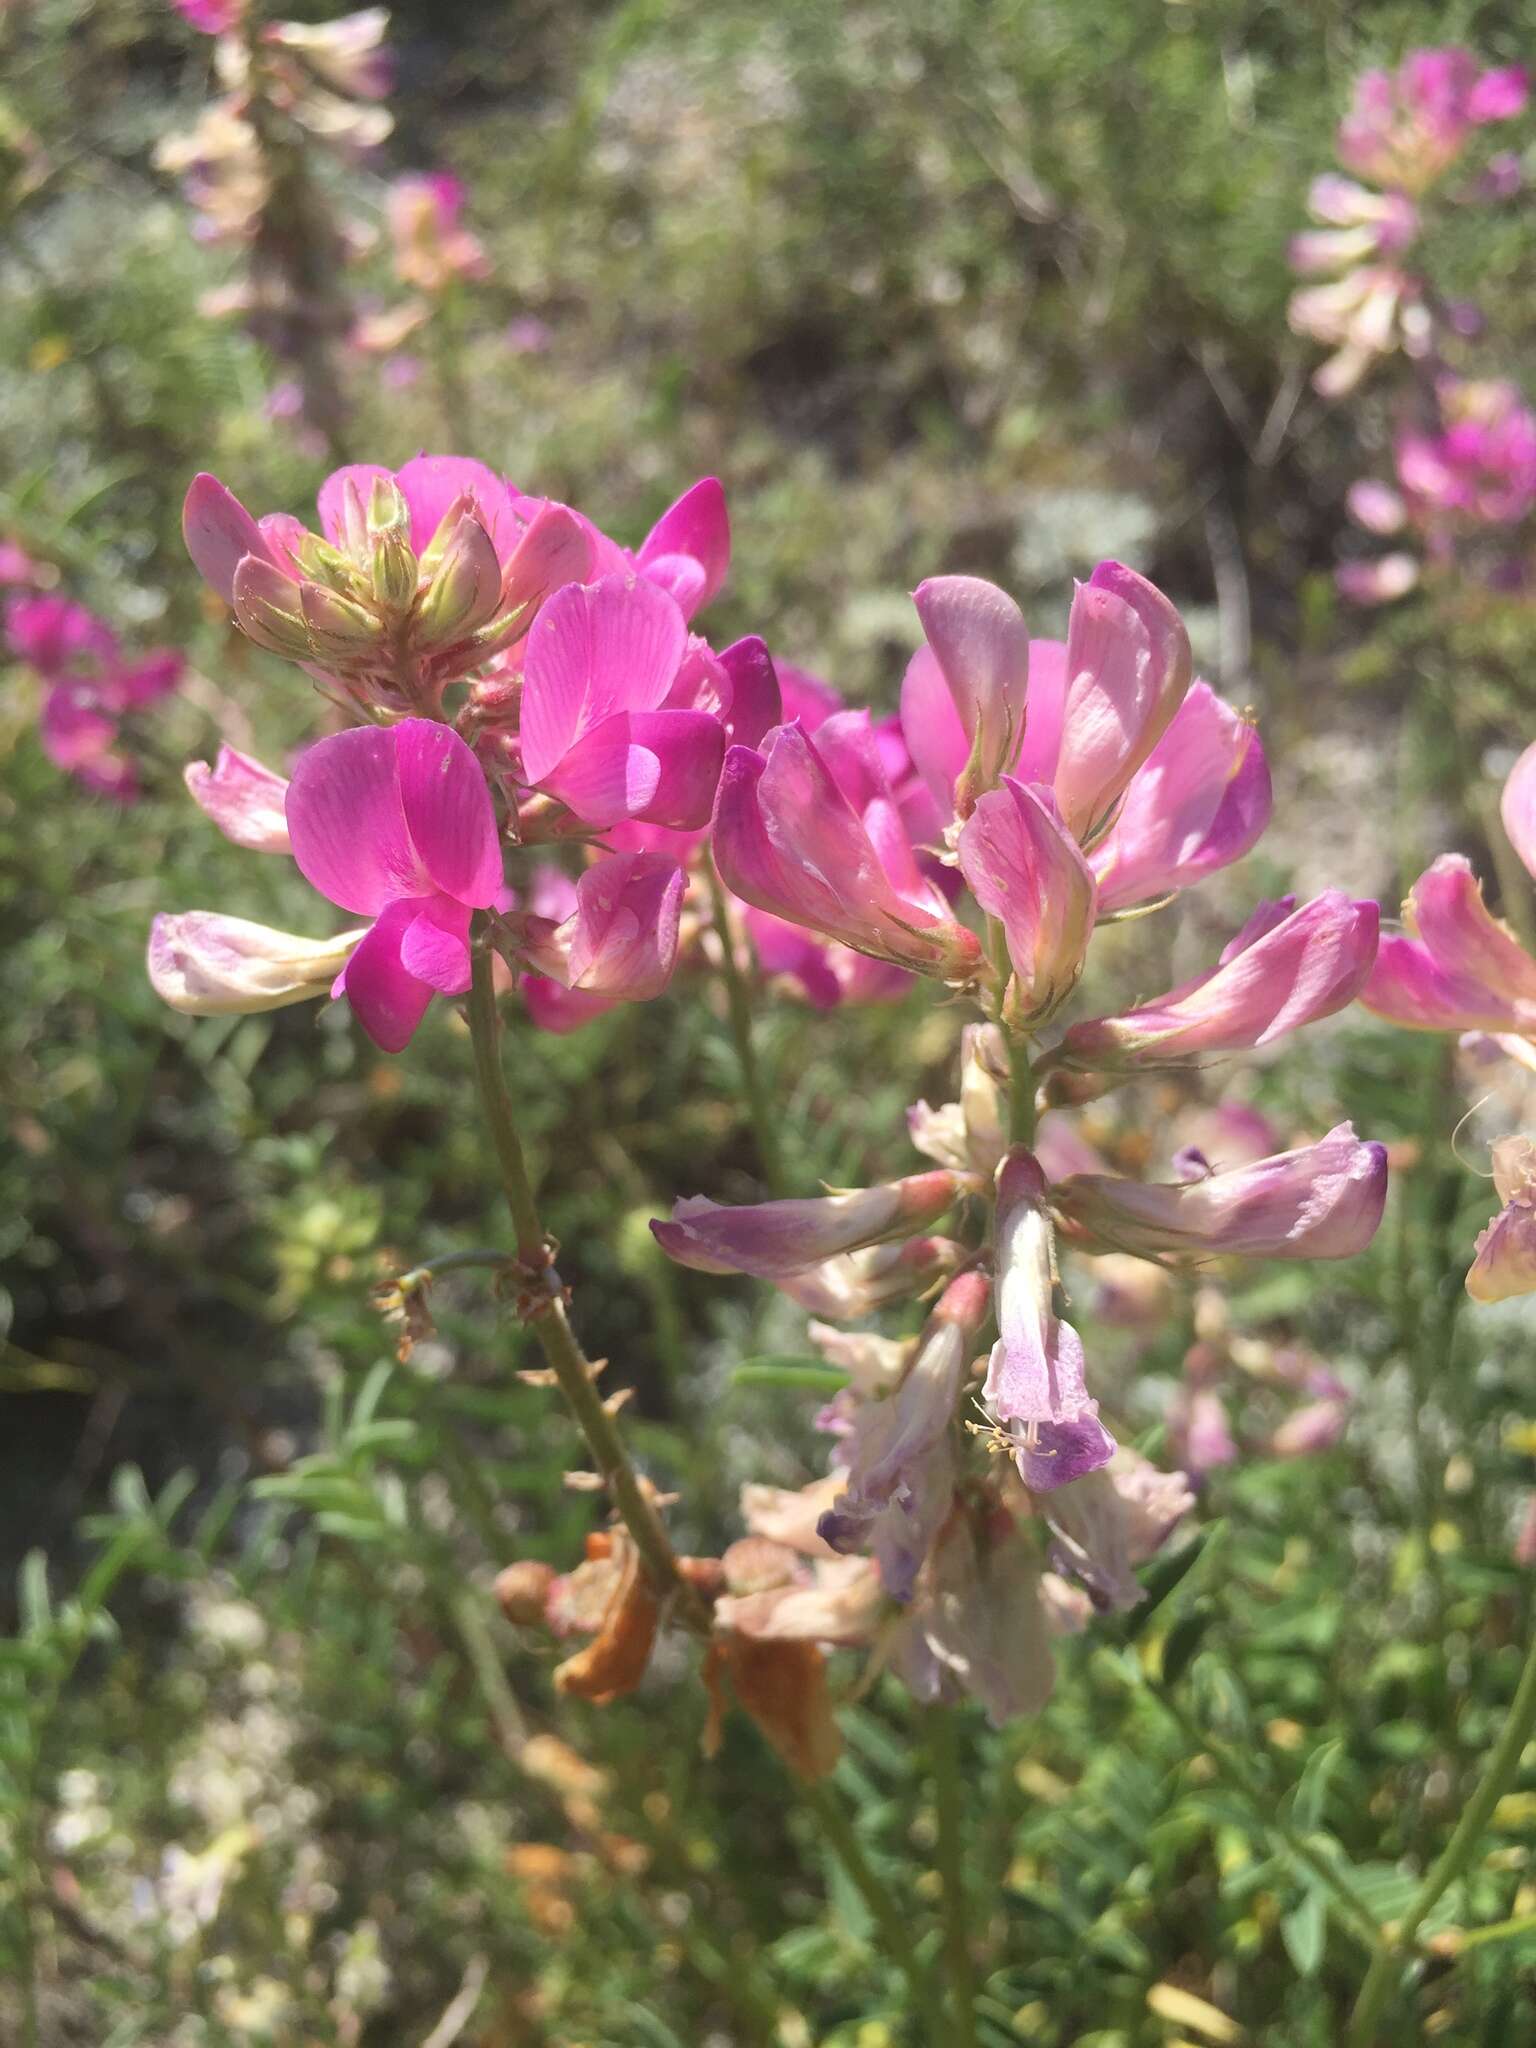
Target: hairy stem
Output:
{"points": [[944, 1753], [738, 999], [894, 1928], [1386, 1969], [548, 1319]]}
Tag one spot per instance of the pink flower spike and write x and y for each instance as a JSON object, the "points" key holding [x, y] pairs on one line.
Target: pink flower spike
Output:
{"points": [[1455, 967], [623, 936], [1517, 807], [245, 800], [1024, 869], [1284, 969], [219, 533], [1322, 1201], [1128, 669], [1200, 801], [695, 530], [1035, 1377], [788, 841], [981, 645], [776, 1239]]}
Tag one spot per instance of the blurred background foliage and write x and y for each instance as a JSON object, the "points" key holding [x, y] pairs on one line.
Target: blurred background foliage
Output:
{"points": [[951, 285]]}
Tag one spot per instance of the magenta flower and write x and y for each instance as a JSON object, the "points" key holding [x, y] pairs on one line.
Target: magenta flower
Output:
{"points": [[1407, 128], [775, 1239], [600, 727], [90, 688], [396, 825], [1035, 1382], [1455, 967], [687, 551], [619, 942], [1199, 802], [809, 831], [1321, 1201], [1026, 870], [1285, 968], [826, 975], [210, 17]]}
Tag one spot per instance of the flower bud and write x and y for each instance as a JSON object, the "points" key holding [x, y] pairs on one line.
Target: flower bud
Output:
{"points": [[268, 608], [776, 1239], [207, 965], [1025, 870], [465, 589], [341, 633], [1322, 1201]]}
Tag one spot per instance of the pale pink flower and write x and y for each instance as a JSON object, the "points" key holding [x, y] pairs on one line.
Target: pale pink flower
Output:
{"points": [[432, 246], [247, 801], [1454, 966], [1026, 870], [1505, 1261], [208, 965], [1321, 1201], [776, 1239]]}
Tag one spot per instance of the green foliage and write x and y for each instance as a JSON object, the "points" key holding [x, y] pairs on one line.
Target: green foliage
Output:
{"points": [[933, 286]]}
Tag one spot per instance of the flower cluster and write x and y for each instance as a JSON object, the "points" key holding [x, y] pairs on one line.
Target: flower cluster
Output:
{"points": [[1072, 782], [580, 703], [1456, 967], [90, 687], [1404, 132], [287, 87]]}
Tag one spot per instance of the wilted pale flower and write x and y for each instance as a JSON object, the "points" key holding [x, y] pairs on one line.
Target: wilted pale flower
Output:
{"points": [[776, 1239], [208, 965]]}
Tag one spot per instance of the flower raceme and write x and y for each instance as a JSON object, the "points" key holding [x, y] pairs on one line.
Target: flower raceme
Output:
{"points": [[1456, 967]]}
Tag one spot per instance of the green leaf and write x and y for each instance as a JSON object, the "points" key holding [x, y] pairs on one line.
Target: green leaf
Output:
{"points": [[1311, 1796], [806, 1376], [1183, 1641], [32, 1594], [1304, 1930]]}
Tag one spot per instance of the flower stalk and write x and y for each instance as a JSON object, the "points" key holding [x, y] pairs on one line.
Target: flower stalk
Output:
{"points": [[1386, 1968], [545, 1311], [738, 999]]}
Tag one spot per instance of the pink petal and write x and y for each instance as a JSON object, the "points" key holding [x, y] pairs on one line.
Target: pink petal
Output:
{"points": [[560, 1010], [680, 576], [147, 681], [697, 526], [1044, 709], [554, 550], [981, 644], [448, 811], [1199, 802], [347, 823], [624, 944], [1128, 669], [431, 484], [245, 800], [607, 775], [807, 700], [756, 704], [1517, 807], [218, 531], [595, 649], [332, 501], [387, 998], [932, 728], [72, 730], [1025, 869], [1458, 968], [434, 946]]}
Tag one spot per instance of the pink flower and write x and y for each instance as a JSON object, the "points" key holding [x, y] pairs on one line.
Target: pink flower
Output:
{"points": [[826, 975], [1199, 1431], [776, 1239], [1314, 1427], [1025, 870], [90, 688], [431, 245], [1382, 581], [809, 831], [980, 643], [1285, 968], [687, 551], [1200, 801], [900, 1459], [620, 940], [1407, 129], [858, 1283], [58, 637], [210, 17], [246, 801], [1454, 967], [396, 825], [601, 727], [1322, 1201], [1035, 1385], [1505, 1261], [350, 56], [1109, 1521]]}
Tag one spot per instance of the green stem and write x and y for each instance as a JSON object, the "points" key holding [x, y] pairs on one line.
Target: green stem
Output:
{"points": [[1385, 1971], [485, 1662], [550, 1324], [895, 1930], [1356, 1913], [944, 1752], [1021, 1091], [738, 1000]]}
